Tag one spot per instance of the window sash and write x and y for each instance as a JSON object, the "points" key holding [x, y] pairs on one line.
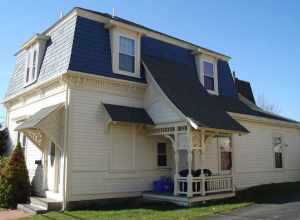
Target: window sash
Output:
{"points": [[209, 83], [162, 156], [127, 46], [226, 161], [278, 159], [208, 68], [34, 65], [126, 63]]}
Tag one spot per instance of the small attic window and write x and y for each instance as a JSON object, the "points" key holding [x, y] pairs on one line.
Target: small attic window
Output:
{"points": [[125, 52], [31, 65], [35, 49], [210, 77]]}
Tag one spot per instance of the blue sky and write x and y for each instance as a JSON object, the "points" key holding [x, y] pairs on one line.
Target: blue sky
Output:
{"points": [[262, 37]]}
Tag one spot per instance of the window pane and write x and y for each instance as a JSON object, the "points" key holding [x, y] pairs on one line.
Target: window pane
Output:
{"points": [[161, 148], [162, 160], [278, 160], [126, 46], [209, 83], [208, 69], [126, 63], [33, 65], [225, 160]]}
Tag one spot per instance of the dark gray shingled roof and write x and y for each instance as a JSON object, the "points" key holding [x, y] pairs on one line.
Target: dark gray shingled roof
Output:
{"points": [[180, 84], [128, 114], [35, 119], [244, 88]]}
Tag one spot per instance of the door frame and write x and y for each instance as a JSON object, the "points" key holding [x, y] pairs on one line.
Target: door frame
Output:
{"points": [[57, 167]]}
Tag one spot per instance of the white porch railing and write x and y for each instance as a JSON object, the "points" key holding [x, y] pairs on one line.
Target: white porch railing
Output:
{"points": [[212, 184]]}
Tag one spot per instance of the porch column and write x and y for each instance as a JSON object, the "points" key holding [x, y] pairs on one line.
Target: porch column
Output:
{"points": [[202, 160], [190, 177], [176, 160], [176, 176]]}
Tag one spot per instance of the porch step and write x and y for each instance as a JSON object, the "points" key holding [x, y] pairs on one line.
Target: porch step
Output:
{"points": [[40, 205], [32, 209], [48, 204]]}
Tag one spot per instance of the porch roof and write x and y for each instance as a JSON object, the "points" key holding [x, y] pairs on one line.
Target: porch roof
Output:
{"points": [[128, 114], [180, 84], [36, 118]]}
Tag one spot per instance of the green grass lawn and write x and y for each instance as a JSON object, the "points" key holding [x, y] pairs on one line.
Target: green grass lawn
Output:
{"points": [[160, 211], [144, 212]]}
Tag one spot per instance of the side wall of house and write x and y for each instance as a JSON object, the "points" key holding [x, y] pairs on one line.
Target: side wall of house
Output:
{"points": [[112, 161], [23, 109], [254, 155]]}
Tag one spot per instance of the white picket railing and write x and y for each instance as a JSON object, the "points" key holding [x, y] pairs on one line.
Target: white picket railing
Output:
{"points": [[212, 184]]}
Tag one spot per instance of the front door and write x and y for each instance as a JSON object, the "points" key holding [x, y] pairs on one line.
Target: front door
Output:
{"points": [[53, 177]]}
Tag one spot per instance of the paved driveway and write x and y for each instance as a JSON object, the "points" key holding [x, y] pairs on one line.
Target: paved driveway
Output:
{"points": [[286, 208]]}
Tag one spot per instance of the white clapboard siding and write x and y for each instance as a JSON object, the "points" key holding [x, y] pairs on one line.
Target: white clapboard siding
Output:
{"points": [[30, 106], [108, 161], [254, 156]]}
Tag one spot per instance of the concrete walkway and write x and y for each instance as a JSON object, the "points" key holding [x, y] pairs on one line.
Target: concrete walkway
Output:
{"points": [[13, 214]]}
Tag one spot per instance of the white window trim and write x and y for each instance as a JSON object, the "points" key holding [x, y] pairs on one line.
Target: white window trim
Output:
{"points": [[116, 33], [30, 52], [224, 172], [283, 151], [215, 75], [167, 156], [214, 62]]}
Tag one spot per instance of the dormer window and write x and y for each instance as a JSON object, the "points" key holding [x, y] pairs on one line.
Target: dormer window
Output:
{"points": [[35, 49], [208, 69], [125, 46], [209, 75], [31, 65], [127, 54]]}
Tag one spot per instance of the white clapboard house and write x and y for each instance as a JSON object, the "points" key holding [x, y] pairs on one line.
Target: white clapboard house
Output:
{"points": [[104, 107]]}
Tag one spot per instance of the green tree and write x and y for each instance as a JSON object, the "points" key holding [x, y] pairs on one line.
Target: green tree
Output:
{"points": [[3, 141], [14, 180]]}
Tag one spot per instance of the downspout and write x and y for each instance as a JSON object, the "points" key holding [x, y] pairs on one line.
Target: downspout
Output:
{"points": [[66, 140]]}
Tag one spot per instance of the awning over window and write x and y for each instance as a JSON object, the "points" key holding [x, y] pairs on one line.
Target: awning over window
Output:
{"points": [[128, 114], [33, 121]]}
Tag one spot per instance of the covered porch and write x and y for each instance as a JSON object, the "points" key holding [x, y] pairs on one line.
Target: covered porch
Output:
{"points": [[202, 164]]}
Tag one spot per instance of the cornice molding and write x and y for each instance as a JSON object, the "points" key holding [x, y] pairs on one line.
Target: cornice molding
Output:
{"points": [[77, 80]]}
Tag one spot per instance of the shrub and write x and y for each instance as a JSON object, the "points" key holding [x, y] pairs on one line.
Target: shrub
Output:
{"points": [[3, 141], [14, 181]]}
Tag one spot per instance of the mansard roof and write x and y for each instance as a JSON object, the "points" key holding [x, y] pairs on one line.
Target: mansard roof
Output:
{"points": [[83, 45]]}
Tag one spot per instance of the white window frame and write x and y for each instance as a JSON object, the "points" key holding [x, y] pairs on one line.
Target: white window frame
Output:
{"points": [[283, 146], [116, 33], [166, 154], [200, 59], [224, 172], [29, 64], [215, 74]]}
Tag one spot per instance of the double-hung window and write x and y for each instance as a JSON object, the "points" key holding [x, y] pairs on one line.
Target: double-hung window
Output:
{"points": [[31, 65], [127, 54], [209, 75], [225, 154], [278, 152], [162, 156]]}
